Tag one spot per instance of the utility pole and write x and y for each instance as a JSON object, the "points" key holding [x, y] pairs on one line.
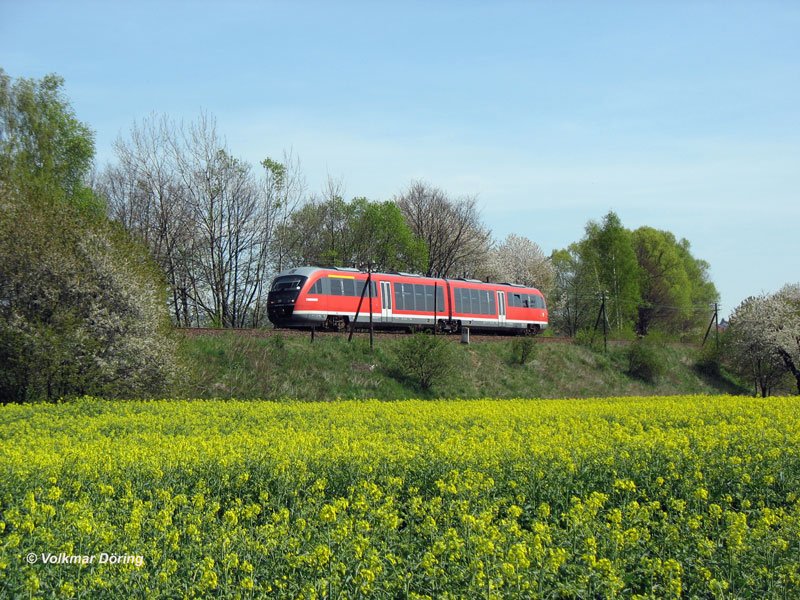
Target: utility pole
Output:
{"points": [[714, 321], [371, 328], [601, 314], [367, 285], [435, 298]]}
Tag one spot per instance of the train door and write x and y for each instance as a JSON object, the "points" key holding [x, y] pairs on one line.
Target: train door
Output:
{"points": [[386, 301], [501, 308]]}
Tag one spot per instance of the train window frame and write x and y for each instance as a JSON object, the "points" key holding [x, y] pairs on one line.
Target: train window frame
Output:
{"points": [[295, 283]]}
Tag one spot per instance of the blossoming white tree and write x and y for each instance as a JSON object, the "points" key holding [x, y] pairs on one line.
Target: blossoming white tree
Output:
{"points": [[764, 337], [520, 260]]}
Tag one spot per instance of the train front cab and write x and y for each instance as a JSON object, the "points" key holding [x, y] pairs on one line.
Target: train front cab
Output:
{"points": [[282, 298]]}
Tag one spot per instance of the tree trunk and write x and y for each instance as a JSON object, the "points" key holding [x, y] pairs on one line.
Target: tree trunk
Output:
{"points": [[790, 366]]}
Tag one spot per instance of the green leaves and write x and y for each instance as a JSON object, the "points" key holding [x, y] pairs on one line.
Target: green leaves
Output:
{"points": [[44, 149]]}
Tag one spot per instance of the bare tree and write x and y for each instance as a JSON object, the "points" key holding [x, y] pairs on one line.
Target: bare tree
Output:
{"points": [[204, 215], [284, 188], [223, 202], [457, 241], [145, 195]]}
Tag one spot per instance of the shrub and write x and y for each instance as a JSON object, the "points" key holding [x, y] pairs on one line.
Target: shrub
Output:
{"points": [[82, 306], [523, 349], [423, 358], [644, 361], [709, 361]]}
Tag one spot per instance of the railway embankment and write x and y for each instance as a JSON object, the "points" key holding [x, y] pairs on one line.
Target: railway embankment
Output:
{"points": [[285, 365]]}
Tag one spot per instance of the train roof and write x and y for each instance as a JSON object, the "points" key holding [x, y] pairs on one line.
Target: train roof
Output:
{"points": [[307, 271]]}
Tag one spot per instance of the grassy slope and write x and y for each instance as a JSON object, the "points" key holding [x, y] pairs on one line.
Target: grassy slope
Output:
{"points": [[231, 365]]}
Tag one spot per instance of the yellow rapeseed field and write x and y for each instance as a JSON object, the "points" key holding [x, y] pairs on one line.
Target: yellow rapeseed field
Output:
{"points": [[626, 497]]}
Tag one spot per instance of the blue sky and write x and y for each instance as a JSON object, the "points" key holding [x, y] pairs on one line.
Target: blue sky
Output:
{"points": [[684, 116]]}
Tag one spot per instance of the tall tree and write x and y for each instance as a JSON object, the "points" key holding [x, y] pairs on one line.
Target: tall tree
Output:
{"points": [[607, 250], [284, 190], [663, 283], [676, 291], [146, 197], [575, 296], [457, 241], [45, 151], [382, 239], [703, 293]]}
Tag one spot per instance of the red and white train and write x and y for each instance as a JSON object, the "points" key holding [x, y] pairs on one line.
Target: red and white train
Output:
{"points": [[329, 298]]}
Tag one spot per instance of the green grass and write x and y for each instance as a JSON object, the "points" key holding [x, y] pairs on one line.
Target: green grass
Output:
{"points": [[231, 365]]}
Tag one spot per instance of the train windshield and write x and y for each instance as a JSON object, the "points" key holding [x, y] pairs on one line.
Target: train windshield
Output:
{"points": [[288, 283]]}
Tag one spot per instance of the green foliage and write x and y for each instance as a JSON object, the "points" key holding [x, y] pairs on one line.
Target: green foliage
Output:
{"points": [[676, 293], [423, 358], [650, 280], [45, 151], [607, 253], [644, 361], [588, 338], [338, 233], [523, 349]]}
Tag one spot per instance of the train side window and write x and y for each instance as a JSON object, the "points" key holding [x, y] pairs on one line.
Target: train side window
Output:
{"points": [[317, 287], [348, 287], [408, 295], [419, 297], [336, 287], [475, 301], [483, 303], [398, 295], [492, 305], [360, 289], [439, 298], [428, 298]]}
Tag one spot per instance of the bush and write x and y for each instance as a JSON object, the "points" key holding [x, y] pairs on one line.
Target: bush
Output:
{"points": [[644, 361], [523, 349], [82, 306], [709, 361], [423, 358]]}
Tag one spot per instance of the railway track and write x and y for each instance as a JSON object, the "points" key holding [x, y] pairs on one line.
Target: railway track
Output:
{"points": [[270, 332]]}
